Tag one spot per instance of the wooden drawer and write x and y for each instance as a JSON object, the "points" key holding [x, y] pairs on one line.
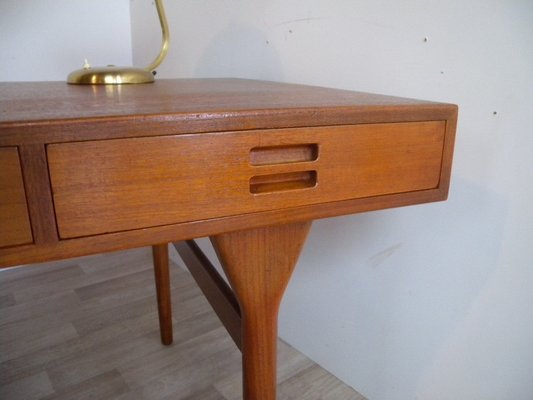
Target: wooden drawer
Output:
{"points": [[14, 219], [125, 184]]}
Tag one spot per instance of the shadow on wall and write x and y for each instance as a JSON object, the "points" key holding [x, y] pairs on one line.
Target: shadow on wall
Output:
{"points": [[403, 282], [240, 51]]}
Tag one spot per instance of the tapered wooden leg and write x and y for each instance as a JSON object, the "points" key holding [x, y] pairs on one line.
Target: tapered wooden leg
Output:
{"points": [[259, 263], [162, 285]]}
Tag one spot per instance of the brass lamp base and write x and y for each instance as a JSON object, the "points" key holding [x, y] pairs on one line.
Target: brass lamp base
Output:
{"points": [[110, 76]]}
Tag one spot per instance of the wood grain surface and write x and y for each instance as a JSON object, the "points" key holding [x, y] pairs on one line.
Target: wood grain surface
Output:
{"points": [[39, 194], [37, 116], [118, 185], [215, 289], [37, 112], [258, 264], [14, 219], [162, 285]]}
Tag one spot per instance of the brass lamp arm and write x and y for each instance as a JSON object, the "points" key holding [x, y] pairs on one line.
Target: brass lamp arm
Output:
{"points": [[165, 37]]}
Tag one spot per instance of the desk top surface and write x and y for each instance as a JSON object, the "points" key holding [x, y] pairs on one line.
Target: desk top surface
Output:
{"points": [[100, 168], [52, 112], [34, 101]]}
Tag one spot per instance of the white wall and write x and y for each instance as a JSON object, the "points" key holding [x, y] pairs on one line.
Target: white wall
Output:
{"points": [[47, 39], [425, 302]]}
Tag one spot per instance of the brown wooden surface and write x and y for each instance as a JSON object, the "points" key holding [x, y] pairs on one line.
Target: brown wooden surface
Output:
{"points": [[46, 113], [14, 219], [259, 263], [195, 229], [43, 114], [55, 112], [119, 185], [39, 194], [162, 284], [213, 286]]}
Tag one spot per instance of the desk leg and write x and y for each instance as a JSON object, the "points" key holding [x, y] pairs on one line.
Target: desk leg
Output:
{"points": [[162, 285], [259, 263]]}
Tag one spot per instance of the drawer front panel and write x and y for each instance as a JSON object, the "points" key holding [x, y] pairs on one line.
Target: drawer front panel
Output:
{"points": [[14, 219], [125, 184]]}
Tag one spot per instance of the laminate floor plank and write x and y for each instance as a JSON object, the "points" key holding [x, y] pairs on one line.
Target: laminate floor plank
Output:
{"points": [[315, 383], [7, 300], [208, 394], [106, 386], [125, 288], [62, 306], [87, 328], [42, 279], [161, 362], [290, 362], [117, 263], [57, 287], [40, 334], [33, 387], [94, 316], [64, 351], [96, 269], [186, 379], [21, 272]]}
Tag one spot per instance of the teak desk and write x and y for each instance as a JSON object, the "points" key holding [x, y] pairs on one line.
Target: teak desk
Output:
{"points": [[89, 169]]}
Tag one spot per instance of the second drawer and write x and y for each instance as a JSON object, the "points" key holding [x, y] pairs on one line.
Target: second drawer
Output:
{"points": [[125, 184]]}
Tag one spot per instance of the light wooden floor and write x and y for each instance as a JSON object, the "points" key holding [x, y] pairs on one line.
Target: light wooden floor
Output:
{"points": [[87, 329]]}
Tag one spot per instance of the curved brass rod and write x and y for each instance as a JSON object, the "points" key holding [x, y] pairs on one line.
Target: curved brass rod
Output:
{"points": [[165, 33], [112, 75]]}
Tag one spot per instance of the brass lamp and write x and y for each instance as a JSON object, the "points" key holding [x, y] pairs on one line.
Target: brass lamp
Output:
{"points": [[112, 75]]}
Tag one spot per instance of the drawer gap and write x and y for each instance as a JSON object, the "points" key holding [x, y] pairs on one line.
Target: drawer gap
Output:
{"points": [[283, 182], [272, 155]]}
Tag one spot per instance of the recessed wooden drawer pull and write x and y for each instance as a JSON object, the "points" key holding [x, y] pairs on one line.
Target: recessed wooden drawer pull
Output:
{"points": [[282, 182], [283, 154]]}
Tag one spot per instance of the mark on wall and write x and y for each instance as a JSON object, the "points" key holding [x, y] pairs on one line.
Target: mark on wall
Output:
{"points": [[379, 258], [292, 21]]}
